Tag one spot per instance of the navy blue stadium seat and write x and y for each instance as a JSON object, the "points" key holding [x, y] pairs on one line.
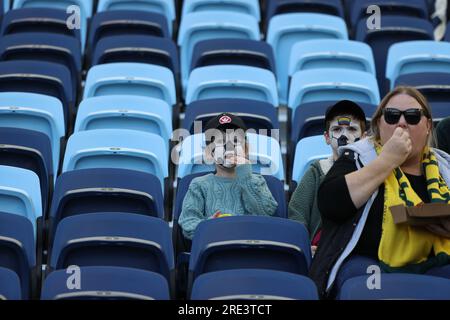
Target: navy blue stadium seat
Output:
{"points": [[30, 150], [18, 249], [393, 29], [249, 242], [397, 286], [332, 7], [126, 22], [37, 20], [39, 77], [56, 48], [434, 85], [256, 115], [105, 190], [113, 239], [253, 284], [107, 283], [137, 48], [410, 8], [9, 285], [233, 51], [309, 118], [276, 187], [440, 110], [447, 33]]}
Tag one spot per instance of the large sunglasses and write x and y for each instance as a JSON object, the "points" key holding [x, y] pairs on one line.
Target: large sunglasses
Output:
{"points": [[412, 116]]}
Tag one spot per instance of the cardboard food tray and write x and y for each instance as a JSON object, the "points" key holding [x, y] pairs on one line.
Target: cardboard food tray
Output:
{"points": [[427, 213]]}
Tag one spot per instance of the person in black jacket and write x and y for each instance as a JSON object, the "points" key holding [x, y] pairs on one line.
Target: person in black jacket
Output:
{"points": [[443, 135], [352, 198]]}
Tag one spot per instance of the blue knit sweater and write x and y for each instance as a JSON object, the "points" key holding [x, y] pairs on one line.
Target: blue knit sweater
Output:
{"points": [[246, 194]]}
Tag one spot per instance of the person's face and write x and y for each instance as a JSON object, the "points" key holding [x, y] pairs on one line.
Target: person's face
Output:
{"points": [[418, 132], [227, 145], [344, 129]]}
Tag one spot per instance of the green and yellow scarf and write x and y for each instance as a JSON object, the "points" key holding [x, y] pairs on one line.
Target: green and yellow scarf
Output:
{"points": [[408, 249]]}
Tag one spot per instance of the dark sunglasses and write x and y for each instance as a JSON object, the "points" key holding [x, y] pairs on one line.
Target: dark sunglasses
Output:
{"points": [[412, 116]]}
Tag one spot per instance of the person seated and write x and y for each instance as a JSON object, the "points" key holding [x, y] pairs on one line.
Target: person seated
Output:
{"points": [[345, 122], [393, 166], [233, 189]]}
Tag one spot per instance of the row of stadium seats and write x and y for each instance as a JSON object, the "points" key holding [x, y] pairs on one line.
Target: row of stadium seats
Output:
{"points": [[86, 118]]}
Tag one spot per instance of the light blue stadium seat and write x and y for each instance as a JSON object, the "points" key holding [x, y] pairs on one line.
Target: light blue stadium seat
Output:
{"points": [[164, 7], [125, 112], [107, 283], [86, 10], [285, 30], [34, 112], [138, 79], [250, 7], [199, 26], [117, 148], [20, 193], [397, 286], [253, 284], [308, 150], [232, 81], [331, 53], [417, 57], [264, 153], [332, 84], [6, 5]]}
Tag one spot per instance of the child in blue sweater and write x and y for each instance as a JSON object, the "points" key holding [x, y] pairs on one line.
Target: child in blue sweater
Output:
{"points": [[233, 189]]}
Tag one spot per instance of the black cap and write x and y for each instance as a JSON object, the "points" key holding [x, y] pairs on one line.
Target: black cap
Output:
{"points": [[345, 107], [225, 121]]}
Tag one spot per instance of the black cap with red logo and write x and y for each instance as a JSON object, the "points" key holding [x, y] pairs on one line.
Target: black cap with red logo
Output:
{"points": [[225, 121]]}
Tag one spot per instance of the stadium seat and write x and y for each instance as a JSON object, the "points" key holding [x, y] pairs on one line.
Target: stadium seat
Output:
{"points": [[113, 239], [118, 148], [4, 6], [275, 186], [439, 111], [397, 286], [39, 77], [38, 20], [245, 52], [29, 150], [434, 85], [264, 153], [105, 190], [256, 115], [126, 22], [199, 26], [9, 285], [332, 84], [393, 29], [17, 251], [447, 33], [285, 30], [331, 53], [253, 284], [137, 48], [416, 57], [85, 6], [138, 79], [107, 283], [309, 118], [50, 47], [250, 7], [21, 195], [308, 150], [34, 112], [330, 7], [164, 7], [249, 242], [232, 81], [125, 112], [410, 8]]}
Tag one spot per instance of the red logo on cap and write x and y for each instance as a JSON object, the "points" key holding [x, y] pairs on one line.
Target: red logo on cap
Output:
{"points": [[224, 119]]}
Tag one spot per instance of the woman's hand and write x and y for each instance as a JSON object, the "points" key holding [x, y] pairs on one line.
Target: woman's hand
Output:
{"points": [[397, 149]]}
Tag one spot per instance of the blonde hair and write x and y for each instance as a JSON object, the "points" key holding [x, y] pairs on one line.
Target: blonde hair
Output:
{"points": [[374, 132]]}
